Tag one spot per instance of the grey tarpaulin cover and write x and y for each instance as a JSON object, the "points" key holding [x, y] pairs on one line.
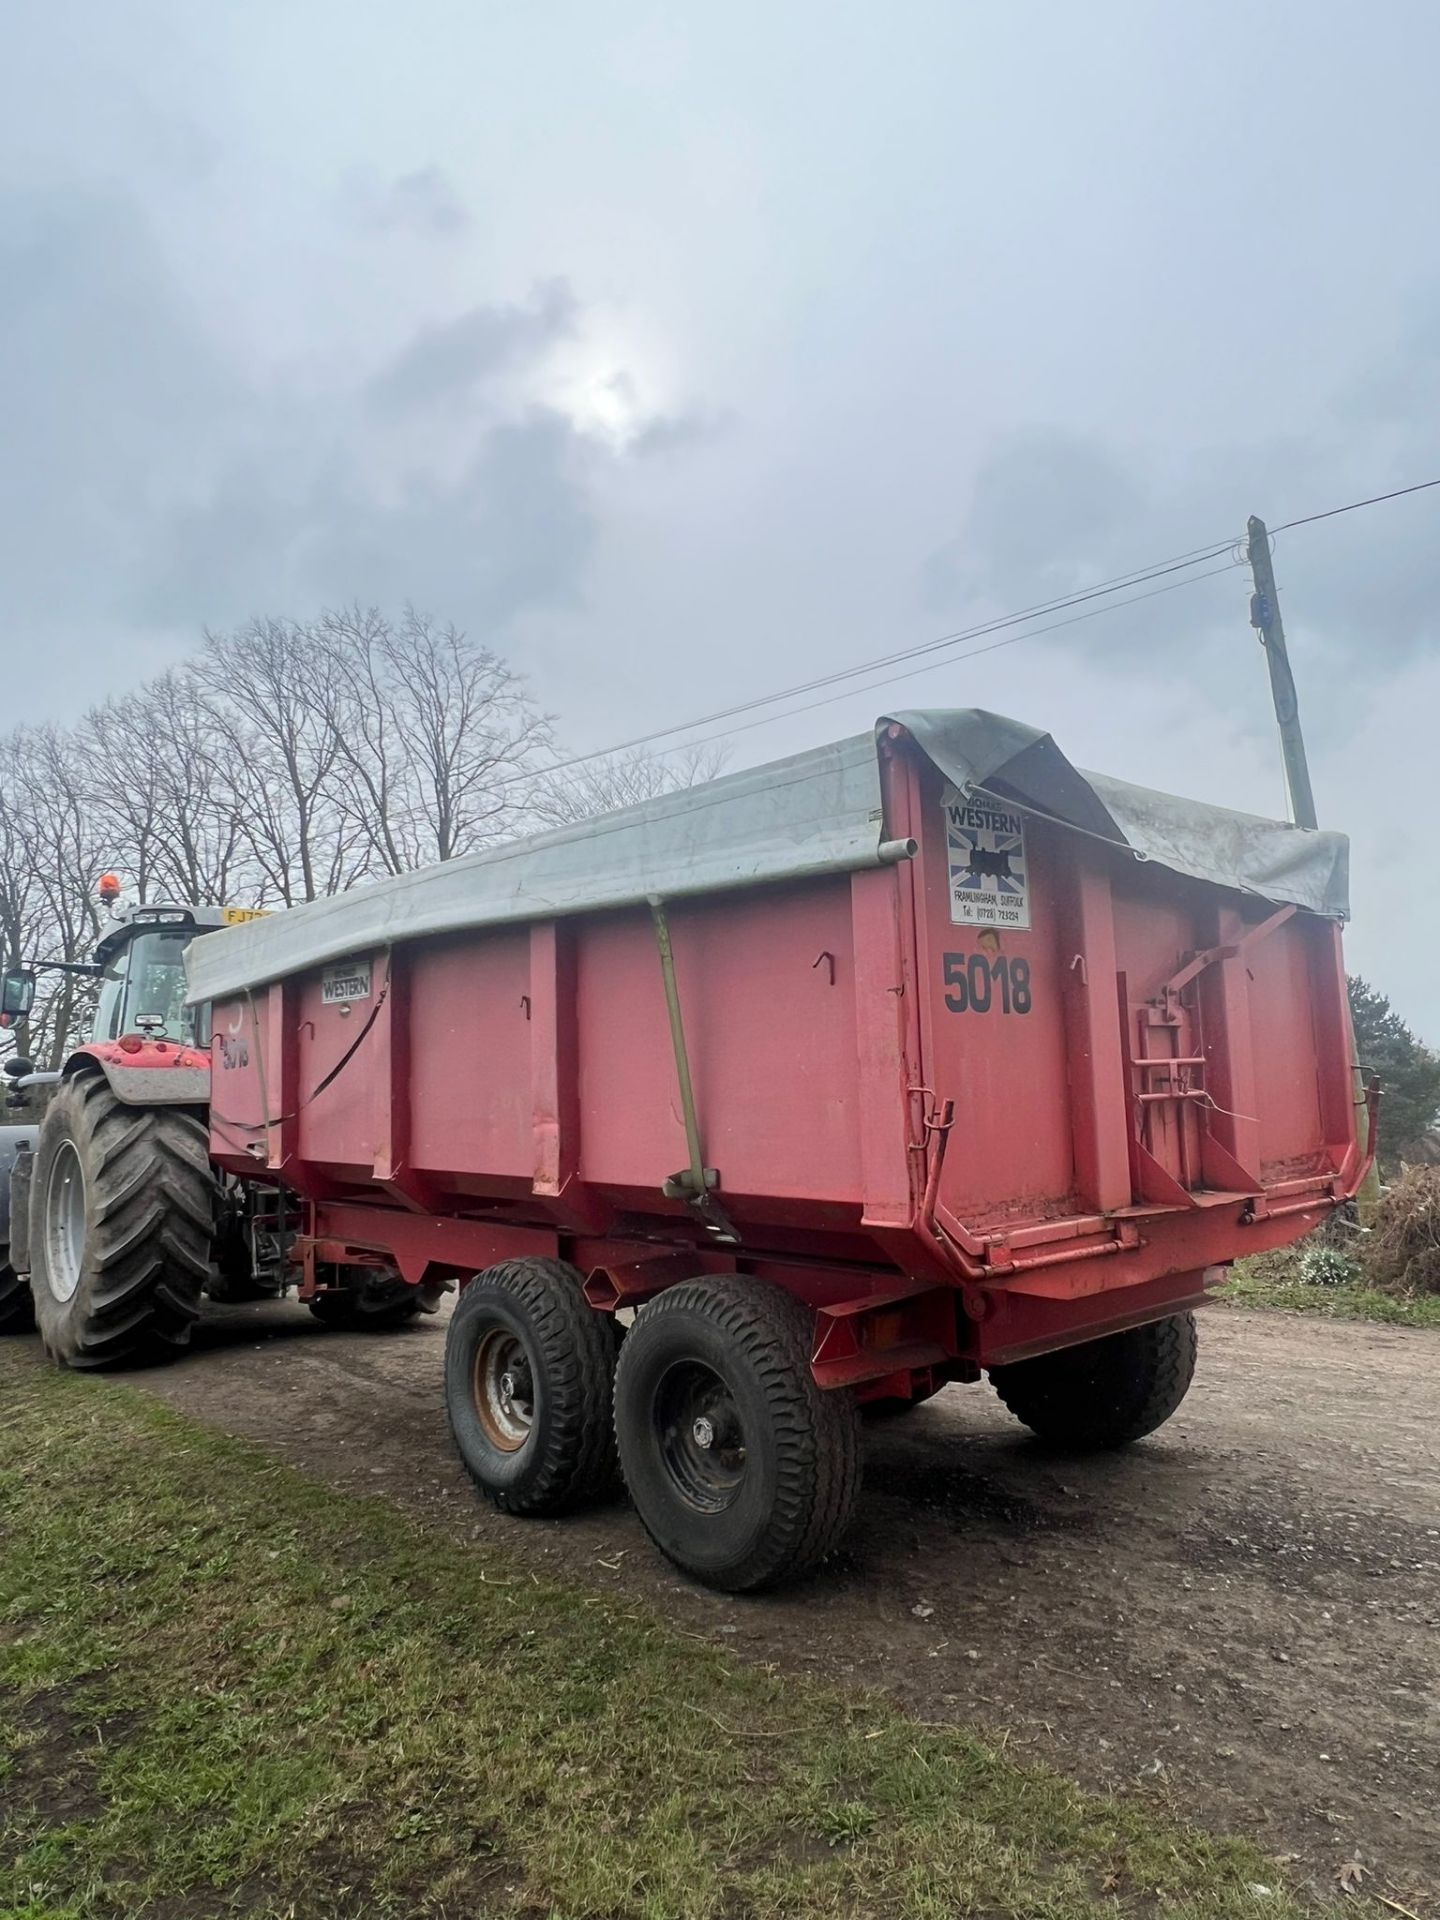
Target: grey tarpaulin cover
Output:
{"points": [[815, 812]]}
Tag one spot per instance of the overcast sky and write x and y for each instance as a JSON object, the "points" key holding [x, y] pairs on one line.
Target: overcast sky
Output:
{"points": [[684, 353]]}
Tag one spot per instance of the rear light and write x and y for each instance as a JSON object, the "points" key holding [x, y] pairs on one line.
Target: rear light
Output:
{"points": [[131, 1043]]}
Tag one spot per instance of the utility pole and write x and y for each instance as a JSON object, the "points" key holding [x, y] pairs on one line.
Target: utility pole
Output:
{"points": [[1265, 618]]}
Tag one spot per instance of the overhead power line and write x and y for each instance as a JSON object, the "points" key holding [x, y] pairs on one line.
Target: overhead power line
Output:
{"points": [[933, 666], [1103, 590], [947, 640], [1137, 577], [1420, 486]]}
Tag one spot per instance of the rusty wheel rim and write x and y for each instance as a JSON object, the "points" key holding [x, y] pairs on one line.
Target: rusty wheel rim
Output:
{"points": [[702, 1441], [502, 1386]]}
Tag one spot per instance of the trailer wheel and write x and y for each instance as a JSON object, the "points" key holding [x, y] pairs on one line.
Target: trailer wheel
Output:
{"points": [[17, 1303], [121, 1218], [743, 1471], [529, 1371], [1103, 1393], [371, 1302]]}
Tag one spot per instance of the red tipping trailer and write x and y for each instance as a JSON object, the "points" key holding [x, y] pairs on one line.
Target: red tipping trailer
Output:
{"points": [[905, 1058]]}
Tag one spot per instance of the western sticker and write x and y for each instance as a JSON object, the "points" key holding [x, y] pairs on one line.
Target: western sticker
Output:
{"points": [[985, 849], [346, 980]]}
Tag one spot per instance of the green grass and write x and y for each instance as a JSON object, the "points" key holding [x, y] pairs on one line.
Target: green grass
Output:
{"points": [[225, 1689], [1272, 1280]]}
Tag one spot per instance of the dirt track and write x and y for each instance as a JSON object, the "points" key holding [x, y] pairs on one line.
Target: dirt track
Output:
{"points": [[1243, 1611]]}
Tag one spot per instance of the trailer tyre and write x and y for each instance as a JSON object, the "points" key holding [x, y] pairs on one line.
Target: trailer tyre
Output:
{"points": [[122, 1207], [529, 1375], [742, 1470], [17, 1304], [1103, 1393]]}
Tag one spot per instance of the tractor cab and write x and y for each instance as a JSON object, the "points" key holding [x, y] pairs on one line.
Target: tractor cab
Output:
{"points": [[141, 963]]}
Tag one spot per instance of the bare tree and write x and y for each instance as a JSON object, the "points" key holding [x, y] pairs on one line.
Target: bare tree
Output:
{"points": [[55, 838], [157, 773], [370, 746], [470, 734], [120, 772], [290, 761], [572, 794], [200, 853], [266, 709], [22, 925]]}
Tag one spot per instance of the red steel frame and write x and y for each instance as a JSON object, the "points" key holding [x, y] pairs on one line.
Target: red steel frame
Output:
{"points": [[1163, 1127]]}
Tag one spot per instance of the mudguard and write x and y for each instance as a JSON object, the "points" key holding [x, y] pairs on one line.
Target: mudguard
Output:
{"points": [[12, 1140], [18, 1196], [157, 1074]]}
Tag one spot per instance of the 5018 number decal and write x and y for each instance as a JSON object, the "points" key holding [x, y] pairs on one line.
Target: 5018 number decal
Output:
{"points": [[975, 983]]}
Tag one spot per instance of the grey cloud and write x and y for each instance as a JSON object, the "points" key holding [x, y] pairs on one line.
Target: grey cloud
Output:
{"points": [[672, 432], [512, 532], [150, 489], [1054, 512], [1047, 506], [451, 361], [423, 202], [109, 392]]}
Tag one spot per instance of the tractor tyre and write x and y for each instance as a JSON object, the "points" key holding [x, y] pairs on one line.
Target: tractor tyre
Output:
{"points": [[372, 1301], [529, 1373], [122, 1209], [743, 1471], [17, 1303], [1103, 1393]]}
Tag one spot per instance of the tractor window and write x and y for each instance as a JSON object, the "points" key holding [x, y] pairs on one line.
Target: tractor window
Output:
{"points": [[112, 993], [153, 966]]}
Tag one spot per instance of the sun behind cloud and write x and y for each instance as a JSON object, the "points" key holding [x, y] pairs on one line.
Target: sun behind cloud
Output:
{"points": [[613, 378]]}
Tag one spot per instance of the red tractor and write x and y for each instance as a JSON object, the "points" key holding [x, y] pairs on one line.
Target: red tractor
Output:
{"points": [[116, 1220]]}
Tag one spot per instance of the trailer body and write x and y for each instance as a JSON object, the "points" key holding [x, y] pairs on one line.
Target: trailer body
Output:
{"points": [[995, 1058]]}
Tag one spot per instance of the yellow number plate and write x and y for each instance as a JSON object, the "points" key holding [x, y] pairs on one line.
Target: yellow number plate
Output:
{"points": [[233, 916]]}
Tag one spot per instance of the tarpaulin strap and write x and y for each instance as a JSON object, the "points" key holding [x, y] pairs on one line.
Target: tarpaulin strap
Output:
{"points": [[694, 1184], [264, 1126]]}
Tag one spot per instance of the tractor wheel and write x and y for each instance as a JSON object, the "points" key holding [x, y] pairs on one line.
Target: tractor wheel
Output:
{"points": [[121, 1215], [17, 1304], [529, 1368], [1103, 1393], [373, 1301], [742, 1469]]}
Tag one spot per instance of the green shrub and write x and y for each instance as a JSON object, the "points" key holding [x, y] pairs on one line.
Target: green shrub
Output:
{"points": [[1322, 1266]]}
